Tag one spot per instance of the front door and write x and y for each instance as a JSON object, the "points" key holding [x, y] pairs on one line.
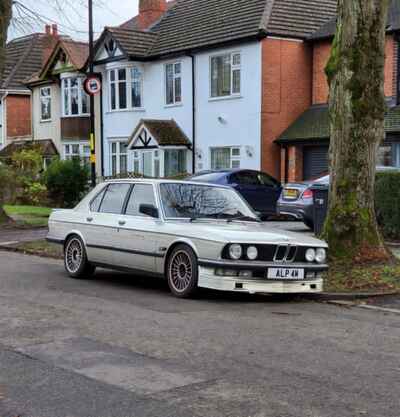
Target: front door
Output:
{"points": [[148, 164]]}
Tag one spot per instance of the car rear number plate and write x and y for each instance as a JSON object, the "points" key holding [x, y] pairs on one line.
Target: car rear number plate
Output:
{"points": [[290, 194], [285, 274]]}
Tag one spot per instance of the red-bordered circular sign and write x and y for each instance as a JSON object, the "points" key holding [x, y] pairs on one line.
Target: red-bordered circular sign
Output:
{"points": [[92, 85]]}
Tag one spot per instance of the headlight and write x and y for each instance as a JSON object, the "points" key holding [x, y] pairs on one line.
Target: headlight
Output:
{"points": [[252, 253], [235, 251], [320, 256], [310, 255]]}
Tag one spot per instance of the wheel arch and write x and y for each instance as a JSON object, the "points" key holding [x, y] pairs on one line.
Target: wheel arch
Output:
{"points": [[74, 233]]}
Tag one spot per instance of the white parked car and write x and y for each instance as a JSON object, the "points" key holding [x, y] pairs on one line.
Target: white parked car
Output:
{"points": [[193, 234]]}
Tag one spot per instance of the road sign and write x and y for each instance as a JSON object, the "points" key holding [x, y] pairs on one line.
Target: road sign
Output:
{"points": [[92, 85]]}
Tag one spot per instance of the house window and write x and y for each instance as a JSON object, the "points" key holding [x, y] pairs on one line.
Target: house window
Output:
{"points": [[136, 163], [173, 83], [225, 158], [225, 75], [45, 103], [77, 150], [75, 100], [174, 162], [119, 158], [389, 155], [125, 88]]}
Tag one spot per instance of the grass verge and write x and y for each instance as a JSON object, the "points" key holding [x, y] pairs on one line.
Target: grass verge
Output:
{"points": [[363, 278], [28, 216], [39, 248]]}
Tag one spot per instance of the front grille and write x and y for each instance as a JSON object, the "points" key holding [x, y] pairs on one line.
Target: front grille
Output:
{"points": [[273, 253]]}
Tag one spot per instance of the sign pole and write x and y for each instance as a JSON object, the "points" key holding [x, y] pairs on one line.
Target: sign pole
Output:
{"points": [[92, 115]]}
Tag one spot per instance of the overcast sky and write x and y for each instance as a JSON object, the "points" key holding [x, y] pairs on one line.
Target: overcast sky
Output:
{"points": [[71, 16]]}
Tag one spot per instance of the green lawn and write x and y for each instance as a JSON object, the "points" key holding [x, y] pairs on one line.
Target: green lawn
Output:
{"points": [[29, 215]]}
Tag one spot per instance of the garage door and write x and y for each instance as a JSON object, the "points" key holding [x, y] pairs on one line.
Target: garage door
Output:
{"points": [[315, 161]]}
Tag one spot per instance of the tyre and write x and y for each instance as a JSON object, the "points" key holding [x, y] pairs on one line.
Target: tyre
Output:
{"points": [[183, 272], [75, 259]]}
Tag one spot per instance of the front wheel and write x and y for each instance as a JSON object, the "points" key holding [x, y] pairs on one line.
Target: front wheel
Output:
{"points": [[183, 272], [75, 259]]}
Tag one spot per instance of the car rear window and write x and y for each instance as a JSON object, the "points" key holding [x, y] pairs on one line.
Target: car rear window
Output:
{"points": [[114, 198], [211, 178]]}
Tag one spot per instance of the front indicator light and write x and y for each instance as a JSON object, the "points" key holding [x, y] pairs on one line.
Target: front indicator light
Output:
{"points": [[320, 256], [235, 252], [310, 255]]}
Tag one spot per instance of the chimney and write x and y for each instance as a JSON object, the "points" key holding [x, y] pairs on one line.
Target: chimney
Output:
{"points": [[50, 40], [150, 11]]}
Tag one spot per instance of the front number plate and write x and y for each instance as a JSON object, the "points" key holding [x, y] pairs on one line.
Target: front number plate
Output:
{"points": [[285, 273]]}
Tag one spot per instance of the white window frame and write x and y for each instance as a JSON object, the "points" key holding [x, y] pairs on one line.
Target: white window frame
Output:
{"points": [[81, 92], [82, 154], [41, 98], [118, 155], [175, 76], [234, 67], [235, 160], [128, 88]]}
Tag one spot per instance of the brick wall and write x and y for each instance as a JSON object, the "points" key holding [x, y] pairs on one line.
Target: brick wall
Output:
{"points": [[18, 116], [287, 75], [321, 55]]}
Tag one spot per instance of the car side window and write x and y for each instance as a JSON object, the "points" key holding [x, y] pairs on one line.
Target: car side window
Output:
{"points": [[266, 180], [114, 198], [141, 194], [95, 204], [247, 178]]}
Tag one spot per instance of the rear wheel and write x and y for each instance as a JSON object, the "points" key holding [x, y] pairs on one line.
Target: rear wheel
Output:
{"points": [[183, 272], [75, 259]]}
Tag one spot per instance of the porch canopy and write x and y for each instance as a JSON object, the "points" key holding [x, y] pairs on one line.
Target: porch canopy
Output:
{"points": [[45, 147], [160, 148]]}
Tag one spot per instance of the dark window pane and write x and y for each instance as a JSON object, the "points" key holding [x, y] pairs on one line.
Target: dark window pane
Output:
{"points": [[247, 178], [178, 90], [114, 198], [122, 95], [122, 74], [141, 194], [169, 83]]}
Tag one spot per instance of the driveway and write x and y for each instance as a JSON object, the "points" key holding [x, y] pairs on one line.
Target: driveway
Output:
{"points": [[123, 346]]}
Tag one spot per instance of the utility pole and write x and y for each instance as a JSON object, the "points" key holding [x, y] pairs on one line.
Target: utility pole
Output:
{"points": [[92, 121]]}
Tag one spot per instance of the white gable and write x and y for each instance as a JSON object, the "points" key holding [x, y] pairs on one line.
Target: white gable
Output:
{"points": [[106, 52], [143, 139]]}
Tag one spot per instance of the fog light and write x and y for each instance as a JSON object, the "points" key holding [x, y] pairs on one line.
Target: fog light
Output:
{"points": [[310, 255], [245, 274], [252, 253], [320, 256], [235, 252], [226, 272]]}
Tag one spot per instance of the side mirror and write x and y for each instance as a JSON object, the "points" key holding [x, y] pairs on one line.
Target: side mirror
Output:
{"points": [[149, 210]]}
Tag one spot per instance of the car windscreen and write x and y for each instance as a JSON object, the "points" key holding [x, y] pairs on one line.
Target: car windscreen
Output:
{"points": [[201, 201]]}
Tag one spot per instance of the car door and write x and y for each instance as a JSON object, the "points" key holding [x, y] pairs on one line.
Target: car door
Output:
{"points": [[247, 184], [271, 191], [137, 232], [102, 223]]}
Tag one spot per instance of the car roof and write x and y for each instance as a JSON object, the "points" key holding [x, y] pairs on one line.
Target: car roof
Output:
{"points": [[163, 181]]}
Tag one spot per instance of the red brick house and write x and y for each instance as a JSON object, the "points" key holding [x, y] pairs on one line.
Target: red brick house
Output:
{"points": [[24, 56], [305, 143]]}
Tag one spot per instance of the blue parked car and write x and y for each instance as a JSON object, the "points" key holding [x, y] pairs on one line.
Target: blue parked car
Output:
{"points": [[259, 189]]}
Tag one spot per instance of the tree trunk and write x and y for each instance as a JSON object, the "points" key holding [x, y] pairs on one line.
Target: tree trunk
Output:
{"points": [[5, 18], [357, 108]]}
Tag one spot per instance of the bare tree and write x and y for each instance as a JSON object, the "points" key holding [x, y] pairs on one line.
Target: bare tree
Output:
{"points": [[5, 18], [357, 108]]}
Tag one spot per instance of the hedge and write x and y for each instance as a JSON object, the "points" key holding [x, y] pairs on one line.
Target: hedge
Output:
{"points": [[387, 202]]}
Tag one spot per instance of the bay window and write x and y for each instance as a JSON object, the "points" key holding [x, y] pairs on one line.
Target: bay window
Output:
{"points": [[125, 88], [173, 83], [225, 158], [389, 155], [225, 75], [75, 100], [79, 151], [45, 104], [174, 162], [119, 157]]}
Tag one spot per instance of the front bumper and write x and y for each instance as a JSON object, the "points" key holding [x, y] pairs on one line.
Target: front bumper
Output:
{"points": [[209, 279]]}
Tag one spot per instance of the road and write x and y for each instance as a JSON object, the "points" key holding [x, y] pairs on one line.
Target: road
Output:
{"points": [[122, 346]]}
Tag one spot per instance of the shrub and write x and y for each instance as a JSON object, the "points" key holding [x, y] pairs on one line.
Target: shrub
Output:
{"points": [[66, 182], [387, 201]]}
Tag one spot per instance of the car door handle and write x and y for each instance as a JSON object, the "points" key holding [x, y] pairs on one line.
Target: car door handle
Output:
{"points": [[89, 219], [122, 222]]}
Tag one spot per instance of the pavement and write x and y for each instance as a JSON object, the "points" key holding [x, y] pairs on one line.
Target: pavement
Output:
{"points": [[122, 346], [10, 236]]}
